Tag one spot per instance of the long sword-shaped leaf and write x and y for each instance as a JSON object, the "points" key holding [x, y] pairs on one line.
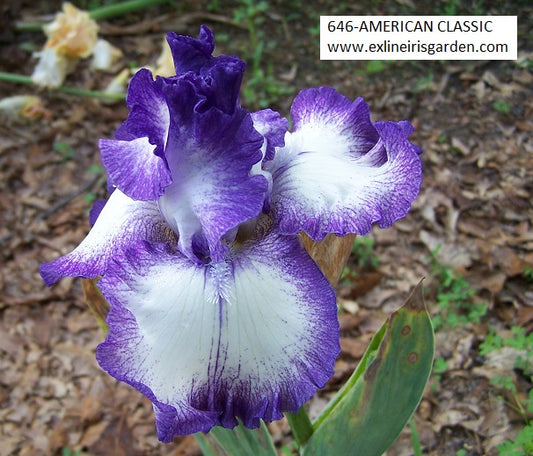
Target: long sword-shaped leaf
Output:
{"points": [[370, 411], [239, 441]]}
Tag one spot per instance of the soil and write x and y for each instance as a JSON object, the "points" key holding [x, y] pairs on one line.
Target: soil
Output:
{"points": [[474, 122]]}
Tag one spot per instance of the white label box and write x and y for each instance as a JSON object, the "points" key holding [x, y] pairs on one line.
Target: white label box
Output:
{"points": [[418, 38]]}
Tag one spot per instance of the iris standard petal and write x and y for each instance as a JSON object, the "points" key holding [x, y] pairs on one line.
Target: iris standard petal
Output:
{"points": [[210, 155], [134, 168], [191, 54], [324, 117], [121, 222], [218, 78], [148, 116], [246, 338], [273, 128], [338, 173]]}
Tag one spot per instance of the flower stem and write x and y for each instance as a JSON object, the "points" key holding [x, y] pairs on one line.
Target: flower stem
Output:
{"points": [[23, 79], [104, 12], [415, 438], [301, 426]]}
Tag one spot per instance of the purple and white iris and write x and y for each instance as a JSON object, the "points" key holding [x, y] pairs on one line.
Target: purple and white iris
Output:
{"points": [[217, 311]]}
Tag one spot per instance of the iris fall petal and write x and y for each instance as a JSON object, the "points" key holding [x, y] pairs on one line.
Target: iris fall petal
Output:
{"points": [[246, 338], [120, 222]]}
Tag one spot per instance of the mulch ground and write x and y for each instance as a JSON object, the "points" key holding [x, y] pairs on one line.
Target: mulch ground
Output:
{"points": [[474, 122]]}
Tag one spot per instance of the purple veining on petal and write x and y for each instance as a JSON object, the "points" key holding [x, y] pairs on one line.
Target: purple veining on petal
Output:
{"points": [[148, 116], [191, 54], [221, 83], [121, 222], [339, 173], [217, 78], [247, 338], [94, 213], [136, 162], [135, 168], [404, 157], [273, 128], [407, 128], [210, 155], [325, 108]]}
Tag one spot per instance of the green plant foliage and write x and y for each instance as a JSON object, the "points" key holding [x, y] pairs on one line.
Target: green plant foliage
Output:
{"points": [[239, 441], [89, 197], [347, 273], [64, 148], [213, 6], [503, 382], [260, 87], [519, 339], [502, 107], [93, 4], [526, 62], [522, 342], [66, 451], [451, 7], [96, 169], [522, 445], [415, 439], [363, 250], [454, 297], [424, 83], [263, 89], [440, 366], [528, 273], [364, 257], [377, 401]]}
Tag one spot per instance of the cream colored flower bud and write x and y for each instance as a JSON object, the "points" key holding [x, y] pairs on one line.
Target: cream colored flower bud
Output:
{"points": [[23, 108], [52, 68], [165, 64], [72, 33], [104, 55]]}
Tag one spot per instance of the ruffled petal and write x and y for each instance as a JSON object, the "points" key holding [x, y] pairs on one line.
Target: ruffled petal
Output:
{"points": [[134, 168], [210, 155], [326, 119], [246, 338], [218, 78], [339, 173], [191, 54], [121, 222], [149, 116], [407, 128], [273, 128], [221, 82], [94, 213]]}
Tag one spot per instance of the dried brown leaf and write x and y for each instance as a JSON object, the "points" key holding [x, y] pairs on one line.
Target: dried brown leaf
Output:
{"points": [[331, 254]]}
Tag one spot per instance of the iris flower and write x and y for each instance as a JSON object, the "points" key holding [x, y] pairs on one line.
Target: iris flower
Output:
{"points": [[72, 36], [217, 312]]}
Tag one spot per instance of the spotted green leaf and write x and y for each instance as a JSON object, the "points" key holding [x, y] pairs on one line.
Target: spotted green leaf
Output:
{"points": [[372, 408]]}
